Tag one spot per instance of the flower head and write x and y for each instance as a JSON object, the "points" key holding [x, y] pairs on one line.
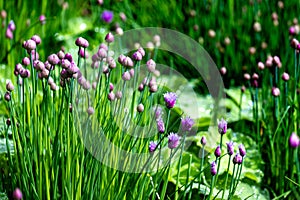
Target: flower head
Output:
{"points": [[213, 168], [187, 123], [294, 140], [160, 125], [17, 194], [222, 126], [42, 19], [230, 148], [109, 38], [203, 140], [237, 159], [170, 99], [107, 16], [173, 140], [218, 152], [152, 146], [242, 150]]}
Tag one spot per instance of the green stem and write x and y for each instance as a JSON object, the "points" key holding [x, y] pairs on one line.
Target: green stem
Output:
{"points": [[226, 176]]}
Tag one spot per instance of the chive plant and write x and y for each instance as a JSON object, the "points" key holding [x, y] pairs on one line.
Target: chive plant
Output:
{"points": [[78, 131]]}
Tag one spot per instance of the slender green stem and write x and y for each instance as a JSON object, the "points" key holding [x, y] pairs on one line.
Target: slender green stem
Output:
{"points": [[224, 189]]}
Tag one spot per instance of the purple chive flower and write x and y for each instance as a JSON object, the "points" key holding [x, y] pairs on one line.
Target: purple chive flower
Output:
{"points": [[109, 38], [170, 99], [17, 194], [213, 168], [230, 148], [30, 45], [9, 34], [11, 26], [160, 125], [203, 140], [9, 86], [275, 91], [7, 96], [81, 42], [53, 59], [294, 140], [137, 56], [158, 112], [285, 76], [218, 152], [152, 146], [186, 124], [42, 19], [173, 140], [151, 65], [237, 159], [37, 39], [26, 61], [107, 16], [242, 150], [140, 108], [90, 110], [222, 126]]}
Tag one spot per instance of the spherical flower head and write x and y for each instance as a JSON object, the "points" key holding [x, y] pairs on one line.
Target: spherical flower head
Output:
{"points": [[11, 26], [102, 53], [242, 150], [230, 147], [247, 76], [294, 140], [37, 39], [140, 108], [158, 112], [26, 61], [9, 86], [237, 159], [292, 31], [81, 42], [107, 16], [126, 76], [285, 76], [42, 19], [109, 38], [69, 57], [277, 61], [8, 122], [141, 50], [203, 140], [186, 124], [137, 56], [222, 126], [30, 45], [119, 94], [9, 34], [213, 168], [152, 146], [275, 91], [53, 59], [127, 62], [173, 140], [7, 96], [223, 71], [90, 110], [160, 125], [17, 194], [119, 31], [218, 152], [260, 65], [111, 96], [170, 99], [151, 65]]}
